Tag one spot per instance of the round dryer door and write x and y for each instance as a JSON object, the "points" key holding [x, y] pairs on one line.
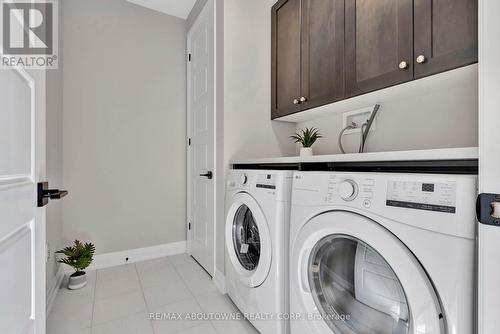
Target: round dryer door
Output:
{"points": [[248, 241], [348, 277], [357, 277]]}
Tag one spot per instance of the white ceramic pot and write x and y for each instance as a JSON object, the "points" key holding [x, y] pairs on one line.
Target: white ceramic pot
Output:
{"points": [[306, 151], [77, 280]]}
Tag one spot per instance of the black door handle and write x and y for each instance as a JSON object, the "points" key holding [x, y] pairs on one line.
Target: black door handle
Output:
{"points": [[209, 175], [44, 194]]}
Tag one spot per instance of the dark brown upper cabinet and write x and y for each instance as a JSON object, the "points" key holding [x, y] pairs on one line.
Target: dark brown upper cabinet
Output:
{"points": [[308, 54], [324, 51], [446, 35], [379, 44], [286, 35], [322, 56]]}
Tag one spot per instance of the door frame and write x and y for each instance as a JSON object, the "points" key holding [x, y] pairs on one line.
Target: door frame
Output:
{"points": [[489, 165], [209, 4]]}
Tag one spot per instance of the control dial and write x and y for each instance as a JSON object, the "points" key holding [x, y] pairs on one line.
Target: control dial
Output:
{"points": [[348, 190], [243, 179]]}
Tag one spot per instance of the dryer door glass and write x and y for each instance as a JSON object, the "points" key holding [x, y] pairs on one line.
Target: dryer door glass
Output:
{"points": [[246, 238], [356, 291]]}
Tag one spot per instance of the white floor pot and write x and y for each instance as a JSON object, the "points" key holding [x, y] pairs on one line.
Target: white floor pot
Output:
{"points": [[306, 151], [77, 280]]}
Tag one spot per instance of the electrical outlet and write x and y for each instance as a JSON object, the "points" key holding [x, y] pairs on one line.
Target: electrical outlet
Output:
{"points": [[358, 117]]}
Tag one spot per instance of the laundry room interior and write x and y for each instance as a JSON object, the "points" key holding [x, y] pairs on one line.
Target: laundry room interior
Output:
{"points": [[265, 166]]}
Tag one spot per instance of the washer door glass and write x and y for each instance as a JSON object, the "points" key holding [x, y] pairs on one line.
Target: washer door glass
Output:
{"points": [[246, 238], [355, 289]]}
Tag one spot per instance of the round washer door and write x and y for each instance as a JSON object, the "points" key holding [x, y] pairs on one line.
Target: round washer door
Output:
{"points": [[356, 277], [248, 241]]}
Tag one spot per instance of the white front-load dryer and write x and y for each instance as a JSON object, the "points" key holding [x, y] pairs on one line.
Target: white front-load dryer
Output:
{"points": [[256, 236], [382, 253]]}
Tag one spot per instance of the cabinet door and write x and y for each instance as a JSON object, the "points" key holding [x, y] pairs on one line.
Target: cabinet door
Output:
{"points": [[446, 35], [285, 58], [322, 53], [379, 44]]}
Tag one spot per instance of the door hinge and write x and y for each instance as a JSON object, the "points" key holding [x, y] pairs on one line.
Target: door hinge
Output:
{"points": [[189, 226], [488, 209], [189, 57], [189, 142]]}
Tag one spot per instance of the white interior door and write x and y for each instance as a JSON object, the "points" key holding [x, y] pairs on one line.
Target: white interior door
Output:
{"points": [[489, 162], [201, 98], [22, 225]]}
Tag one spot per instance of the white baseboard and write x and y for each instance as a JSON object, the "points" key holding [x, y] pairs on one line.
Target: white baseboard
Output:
{"points": [[136, 255], [54, 288], [220, 281]]}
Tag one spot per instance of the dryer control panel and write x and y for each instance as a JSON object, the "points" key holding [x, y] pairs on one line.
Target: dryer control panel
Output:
{"points": [[441, 203], [440, 197], [350, 189]]}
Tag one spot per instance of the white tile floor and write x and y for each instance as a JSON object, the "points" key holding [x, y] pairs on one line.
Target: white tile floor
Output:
{"points": [[120, 300]]}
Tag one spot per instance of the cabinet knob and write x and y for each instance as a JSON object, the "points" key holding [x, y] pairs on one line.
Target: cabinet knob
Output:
{"points": [[421, 59], [296, 101], [403, 65], [303, 99]]}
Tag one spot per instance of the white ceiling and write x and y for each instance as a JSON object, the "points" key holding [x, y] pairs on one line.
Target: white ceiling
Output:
{"points": [[179, 8]]}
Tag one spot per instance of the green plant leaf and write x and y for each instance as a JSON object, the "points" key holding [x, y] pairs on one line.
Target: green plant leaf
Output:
{"points": [[79, 256], [307, 137]]}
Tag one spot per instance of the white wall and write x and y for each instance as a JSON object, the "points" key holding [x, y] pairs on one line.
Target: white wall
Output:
{"points": [[124, 132], [443, 119], [248, 130], [247, 81]]}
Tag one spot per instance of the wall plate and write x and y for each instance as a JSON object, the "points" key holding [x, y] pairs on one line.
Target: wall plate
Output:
{"points": [[484, 209], [359, 116]]}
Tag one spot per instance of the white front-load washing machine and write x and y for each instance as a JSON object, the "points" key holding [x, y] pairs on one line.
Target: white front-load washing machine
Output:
{"points": [[256, 236], [382, 253]]}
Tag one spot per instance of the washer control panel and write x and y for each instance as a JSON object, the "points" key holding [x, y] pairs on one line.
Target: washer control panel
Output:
{"points": [[243, 179], [440, 197], [266, 181], [266, 184], [248, 180]]}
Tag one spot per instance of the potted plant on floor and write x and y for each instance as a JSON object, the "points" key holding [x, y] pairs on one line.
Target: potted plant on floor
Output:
{"points": [[79, 257], [307, 139]]}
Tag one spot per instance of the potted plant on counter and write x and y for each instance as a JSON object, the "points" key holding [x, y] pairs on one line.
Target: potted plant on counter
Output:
{"points": [[307, 138], [79, 257]]}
